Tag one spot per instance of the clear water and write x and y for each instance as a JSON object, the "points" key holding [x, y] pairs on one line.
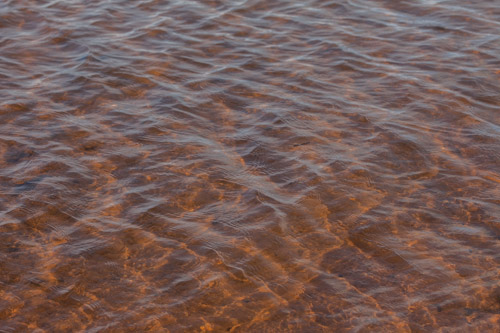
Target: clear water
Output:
{"points": [[249, 166]]}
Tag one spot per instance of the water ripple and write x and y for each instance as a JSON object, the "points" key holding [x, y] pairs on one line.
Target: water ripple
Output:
{"points": [[249, 166]]}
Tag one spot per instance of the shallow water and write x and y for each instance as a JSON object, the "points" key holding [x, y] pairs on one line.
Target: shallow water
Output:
{"points": [[249, 166]]}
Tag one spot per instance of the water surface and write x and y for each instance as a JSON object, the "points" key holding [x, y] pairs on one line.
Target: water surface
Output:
{"points": [[249, 166]]}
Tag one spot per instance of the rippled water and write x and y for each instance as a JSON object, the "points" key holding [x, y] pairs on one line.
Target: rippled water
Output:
{"points": [[249, 166]]}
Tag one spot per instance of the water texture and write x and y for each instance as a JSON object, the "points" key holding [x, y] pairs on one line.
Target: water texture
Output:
{"points": [[249, 166]]}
